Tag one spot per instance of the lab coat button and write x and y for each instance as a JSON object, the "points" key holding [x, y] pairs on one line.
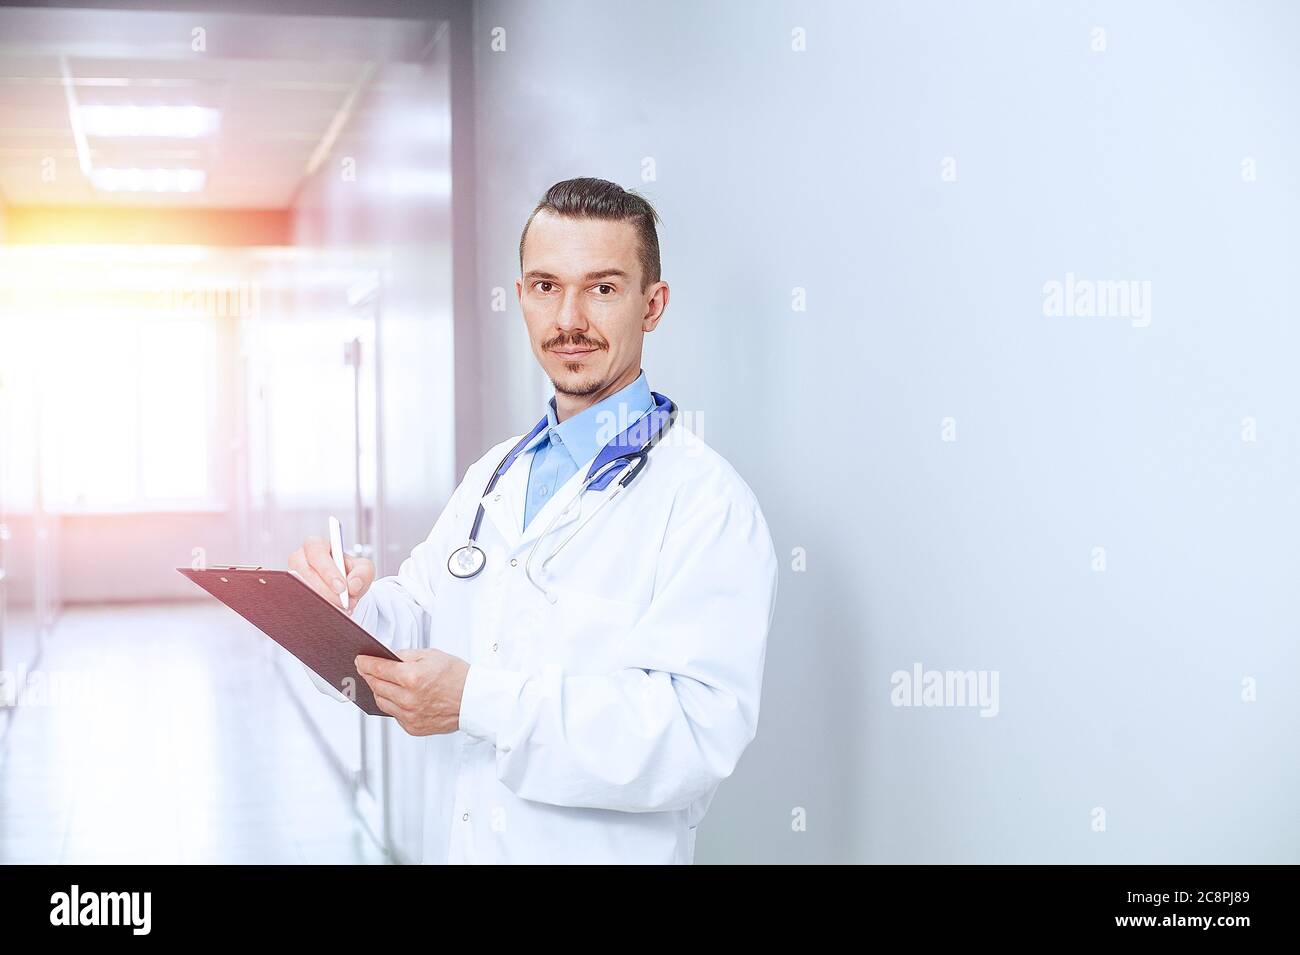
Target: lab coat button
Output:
{"points": [[514, 562], [465, 817], [494, 648]]}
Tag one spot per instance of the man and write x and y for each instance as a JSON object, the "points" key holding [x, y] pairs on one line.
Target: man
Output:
{"points": [[586, 675]]}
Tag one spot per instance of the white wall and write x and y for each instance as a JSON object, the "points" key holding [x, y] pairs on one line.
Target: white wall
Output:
{"points": [[925, 300]]}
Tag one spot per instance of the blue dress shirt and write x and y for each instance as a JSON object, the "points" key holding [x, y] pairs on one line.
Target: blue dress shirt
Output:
{"points": [[562, 446]]}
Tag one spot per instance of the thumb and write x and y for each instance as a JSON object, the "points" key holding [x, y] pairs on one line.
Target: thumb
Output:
{"points": [[358, 568]]}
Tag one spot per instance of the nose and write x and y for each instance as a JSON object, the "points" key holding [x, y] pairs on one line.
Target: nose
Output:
{"points": [[570, 317]]}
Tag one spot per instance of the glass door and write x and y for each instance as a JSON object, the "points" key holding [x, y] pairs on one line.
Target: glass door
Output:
{"points": [[360, 355]]}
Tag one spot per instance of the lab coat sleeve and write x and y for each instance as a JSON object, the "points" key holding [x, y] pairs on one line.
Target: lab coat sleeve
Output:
{"points": [[663, 730], [397, 610]]}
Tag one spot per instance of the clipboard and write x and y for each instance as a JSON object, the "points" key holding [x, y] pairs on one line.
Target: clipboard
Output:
{"points": [[320, 635]]}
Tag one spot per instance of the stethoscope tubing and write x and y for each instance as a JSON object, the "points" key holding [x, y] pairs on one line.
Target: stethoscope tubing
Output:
{"points": [[468, 560]]}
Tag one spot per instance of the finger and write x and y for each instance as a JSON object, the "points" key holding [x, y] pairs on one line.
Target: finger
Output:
{"points": [[361, 574], [391, 690], [359, 567], [390, 671], [387, 706], [317, 550], [300, 564], [397, 696]]}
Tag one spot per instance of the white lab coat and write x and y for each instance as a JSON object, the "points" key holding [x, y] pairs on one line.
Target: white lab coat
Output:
{"points": [[597, 727]]}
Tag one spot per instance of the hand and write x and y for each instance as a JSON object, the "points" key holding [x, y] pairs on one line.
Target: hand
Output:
{"points": [[422, 692], [314, 565]]}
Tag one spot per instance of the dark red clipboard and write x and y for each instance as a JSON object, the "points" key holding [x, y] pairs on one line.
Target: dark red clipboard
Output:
{"points": [[302, 621]]}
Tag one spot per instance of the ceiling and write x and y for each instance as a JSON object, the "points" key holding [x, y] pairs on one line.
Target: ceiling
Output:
{"points": [[285, 87]]}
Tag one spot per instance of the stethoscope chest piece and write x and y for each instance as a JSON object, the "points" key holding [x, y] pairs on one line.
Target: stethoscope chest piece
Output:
{"points": [[466, 561]]}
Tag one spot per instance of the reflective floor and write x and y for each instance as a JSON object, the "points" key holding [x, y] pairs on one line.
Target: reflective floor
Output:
{"points": [[165, 735]]}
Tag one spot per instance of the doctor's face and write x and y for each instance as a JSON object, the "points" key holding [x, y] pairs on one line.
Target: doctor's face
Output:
{"points": [[584, 306]]}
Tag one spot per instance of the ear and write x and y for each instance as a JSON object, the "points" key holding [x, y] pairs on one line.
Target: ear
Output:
{"points": [[655, 305]]}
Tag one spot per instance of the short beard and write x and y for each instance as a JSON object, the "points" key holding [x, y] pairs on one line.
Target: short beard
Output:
{"points": [[581, 391]]}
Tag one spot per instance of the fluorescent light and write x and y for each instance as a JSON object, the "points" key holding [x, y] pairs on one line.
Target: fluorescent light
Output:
{"points": [[185, 122], [148, 180]]}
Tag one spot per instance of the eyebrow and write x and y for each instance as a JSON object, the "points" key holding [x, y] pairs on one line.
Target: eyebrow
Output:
{"points": [[535, 274]]}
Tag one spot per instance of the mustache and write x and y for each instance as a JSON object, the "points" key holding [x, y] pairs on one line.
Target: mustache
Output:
{"points": [[577, 340]]}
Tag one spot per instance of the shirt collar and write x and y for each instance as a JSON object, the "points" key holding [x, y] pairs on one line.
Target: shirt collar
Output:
{"points": [[584, 434]]}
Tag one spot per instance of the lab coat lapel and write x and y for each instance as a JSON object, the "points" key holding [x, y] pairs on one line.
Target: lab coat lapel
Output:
{"points": [[562, 498], [504, 504]]}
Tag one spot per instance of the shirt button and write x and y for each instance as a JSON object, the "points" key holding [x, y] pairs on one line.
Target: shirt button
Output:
{"points": [[494, 648], [496, 497], [542, 490]]}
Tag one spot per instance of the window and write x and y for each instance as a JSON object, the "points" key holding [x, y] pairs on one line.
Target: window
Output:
{"points": [[126, 411]]}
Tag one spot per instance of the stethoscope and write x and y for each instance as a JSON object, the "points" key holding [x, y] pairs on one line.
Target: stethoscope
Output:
{"points": [[627, 453]]}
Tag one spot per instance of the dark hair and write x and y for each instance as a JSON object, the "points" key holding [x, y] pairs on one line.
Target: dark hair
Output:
{"points": [[588, 198]]}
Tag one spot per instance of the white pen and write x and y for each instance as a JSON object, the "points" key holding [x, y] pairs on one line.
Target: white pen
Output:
{"points": [[336, 551]]}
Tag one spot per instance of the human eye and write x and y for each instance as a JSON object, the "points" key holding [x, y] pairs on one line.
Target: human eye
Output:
{"points": [[543, 286], [604, 289]]}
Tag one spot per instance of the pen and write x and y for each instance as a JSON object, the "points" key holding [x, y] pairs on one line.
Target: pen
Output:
{"points": [[336, 551]]}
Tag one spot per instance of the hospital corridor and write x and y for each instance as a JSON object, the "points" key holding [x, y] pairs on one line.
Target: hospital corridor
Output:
{"points": [[218, 267], [173, 696], [755, 432]]}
